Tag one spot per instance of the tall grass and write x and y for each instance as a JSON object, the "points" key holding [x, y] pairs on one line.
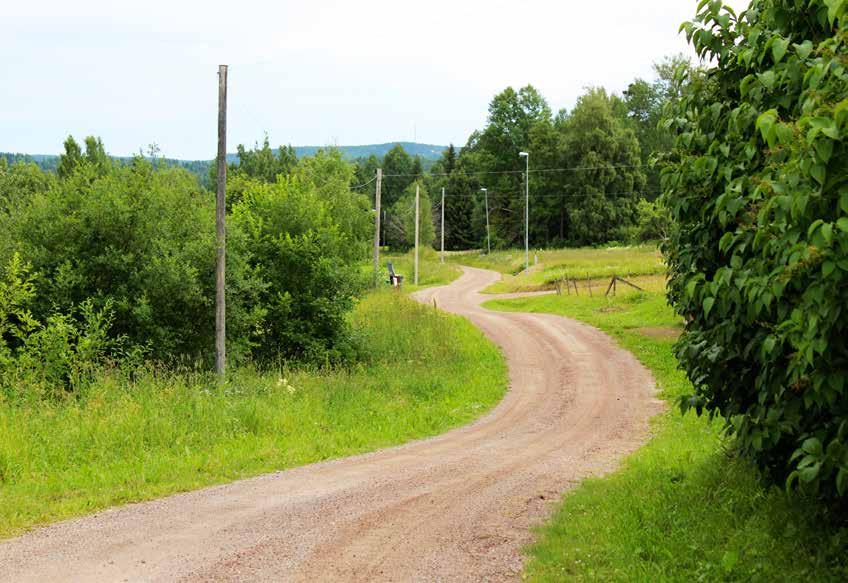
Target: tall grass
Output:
{"points": [[683, 507], [582, 263], [431, 271], [126, 440]]}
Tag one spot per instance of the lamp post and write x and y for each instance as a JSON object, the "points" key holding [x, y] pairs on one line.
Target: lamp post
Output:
{"points": [[526, 156], [488, 238]]}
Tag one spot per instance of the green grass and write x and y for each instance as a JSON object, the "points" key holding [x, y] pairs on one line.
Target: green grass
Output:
{"points": [[681, 508], [162, 433], [579, 263], [431, 271]]}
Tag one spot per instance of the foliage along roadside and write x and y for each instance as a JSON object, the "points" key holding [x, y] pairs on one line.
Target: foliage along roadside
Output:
{"points": [[136, 435], [758, 257], [134, 244], [682, 507]]}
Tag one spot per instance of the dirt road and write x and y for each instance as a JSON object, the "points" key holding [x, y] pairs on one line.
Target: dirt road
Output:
{"points": [[457, 507]]}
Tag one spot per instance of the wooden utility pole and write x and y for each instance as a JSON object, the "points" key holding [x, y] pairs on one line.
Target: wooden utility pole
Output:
{"points": [[377, 227], [488, 237], [220, 228], [417, 206], [443, 225]]}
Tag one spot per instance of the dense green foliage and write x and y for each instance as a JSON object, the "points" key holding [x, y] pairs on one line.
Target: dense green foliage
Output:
{"points": [[757, 186], [118, 260], [681, 508], [127, 438], [587, 170]]}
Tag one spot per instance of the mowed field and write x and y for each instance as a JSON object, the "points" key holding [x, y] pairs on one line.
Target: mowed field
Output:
{"points": [[553, 265]]}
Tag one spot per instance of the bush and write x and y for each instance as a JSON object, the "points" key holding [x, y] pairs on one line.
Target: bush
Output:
{"points": [[307, 261], [758, 255], [63, 353], [142, 241]]}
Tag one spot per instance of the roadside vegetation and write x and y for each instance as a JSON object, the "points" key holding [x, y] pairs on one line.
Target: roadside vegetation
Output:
{"points": [[685, 506], [431, 271], [135, 434], [584, 263]]}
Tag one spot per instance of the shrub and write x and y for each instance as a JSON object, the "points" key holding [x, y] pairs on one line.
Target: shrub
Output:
{"points": [[306, 259], [63, 353], [757, 188], [143, 242]]}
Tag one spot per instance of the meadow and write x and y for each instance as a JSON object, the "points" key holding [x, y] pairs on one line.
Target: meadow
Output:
{"points": [[142, 434], [585, 263], [683, 507]]}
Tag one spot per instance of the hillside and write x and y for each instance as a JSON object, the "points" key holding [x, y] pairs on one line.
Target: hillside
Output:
{"points": [[428, 152]]}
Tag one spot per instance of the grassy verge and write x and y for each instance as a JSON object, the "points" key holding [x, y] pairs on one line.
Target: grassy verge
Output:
{"points": [[680, 508], [584, 263], [126, 441], [431, 271]]}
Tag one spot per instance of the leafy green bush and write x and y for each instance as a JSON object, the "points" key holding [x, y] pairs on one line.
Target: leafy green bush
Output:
{"points": [[143, 241], [306, 260], [47, 358], [757, 187], [138, 242]]}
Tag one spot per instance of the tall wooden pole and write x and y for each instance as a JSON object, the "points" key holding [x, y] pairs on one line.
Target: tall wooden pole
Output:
{"points": [[488, 237], [417, 205], [377, 226], [443, 224], [220, 228]]}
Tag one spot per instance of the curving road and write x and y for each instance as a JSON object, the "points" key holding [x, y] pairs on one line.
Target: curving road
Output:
{"points": [[457, 507]]}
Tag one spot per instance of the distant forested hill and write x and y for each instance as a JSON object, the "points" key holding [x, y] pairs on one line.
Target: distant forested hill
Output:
{"points": [[428, 153]]}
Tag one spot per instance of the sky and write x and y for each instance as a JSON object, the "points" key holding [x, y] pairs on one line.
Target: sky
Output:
{"points": [[309, 73]]}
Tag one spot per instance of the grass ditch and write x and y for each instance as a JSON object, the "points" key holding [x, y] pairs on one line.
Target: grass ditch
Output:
{"points": [[164, 432], [682, 507]]}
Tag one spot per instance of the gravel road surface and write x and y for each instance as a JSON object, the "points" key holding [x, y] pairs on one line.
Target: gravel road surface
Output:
{"points": [[457, 507]]}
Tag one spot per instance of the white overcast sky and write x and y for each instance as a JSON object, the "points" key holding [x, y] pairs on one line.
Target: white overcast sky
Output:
{"points": [[309, 72]]}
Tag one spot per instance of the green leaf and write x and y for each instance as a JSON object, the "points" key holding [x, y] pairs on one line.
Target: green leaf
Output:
{"points": [[804, 49], [768, 345], [818, 172], [812, 446], [768, 79], [778, 49], [842, 224], [708, 305], [765, 122], [828, 267]]}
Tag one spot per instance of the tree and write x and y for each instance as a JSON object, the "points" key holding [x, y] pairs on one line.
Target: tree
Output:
{"points": [[262, 163], [71, 159], [645, 101], [757, 189], [447, 173], [493, 153], [400, 230], [397, 172], [607, 179]]}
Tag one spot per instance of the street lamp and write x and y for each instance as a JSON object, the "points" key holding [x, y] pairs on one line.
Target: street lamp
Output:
{"points": [[526, 156], [488, 238]]}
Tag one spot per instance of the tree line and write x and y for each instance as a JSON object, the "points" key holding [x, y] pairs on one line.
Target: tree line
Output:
{"points": [[591, 179]]}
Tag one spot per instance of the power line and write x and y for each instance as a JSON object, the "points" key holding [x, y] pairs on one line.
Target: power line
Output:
{"points": [[363, 185], [534, 171], [570, 195]]}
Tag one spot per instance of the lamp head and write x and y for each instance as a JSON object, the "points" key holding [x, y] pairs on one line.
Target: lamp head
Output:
{"points": [[524, 154]]}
